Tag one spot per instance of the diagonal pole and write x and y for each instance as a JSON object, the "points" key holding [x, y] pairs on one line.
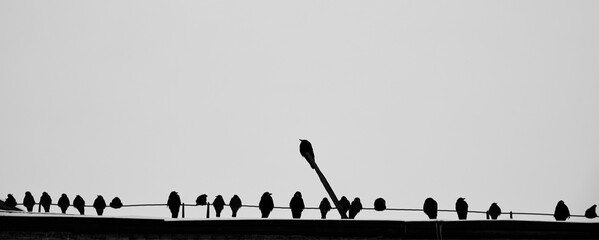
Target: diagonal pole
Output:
{"points": [[327, 186]]}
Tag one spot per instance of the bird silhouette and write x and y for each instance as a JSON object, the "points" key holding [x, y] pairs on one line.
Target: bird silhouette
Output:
{"points": [[380, 204], [355, 208], [307, 152], [494, 211], [64, 203], [99, 205], [28, 201], [430, 208], [202, 200], [561, 211], [10, 202], [461, 207], [116, 203], [46, 201], [344, 204], [266, 204], [297, 205], [591, 212], [79, 204], [173, 203], [218, 204], [235, 205], [325, 207]]}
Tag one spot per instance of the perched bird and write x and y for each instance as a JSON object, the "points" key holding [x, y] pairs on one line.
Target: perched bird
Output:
{"points": [[116, 203], [355, 208], [99, 205], [380, 204], [64, 203], [461, 207], [173, 203], [10, 201], [79, 204], [494, 211], [28, 201], [46, 201], [202, 200], [561, 211], [307, 152], [344, 204], [325, 207], [235, 205], [218, 204], [430, 208], [591, 212], [266, 204], [297, 205]]}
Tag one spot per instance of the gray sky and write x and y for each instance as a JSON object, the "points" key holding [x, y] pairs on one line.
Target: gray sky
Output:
{"points": [[495, 101]]}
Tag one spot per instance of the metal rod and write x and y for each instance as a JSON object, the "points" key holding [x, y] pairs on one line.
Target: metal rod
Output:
{"points": [[327, 186]]}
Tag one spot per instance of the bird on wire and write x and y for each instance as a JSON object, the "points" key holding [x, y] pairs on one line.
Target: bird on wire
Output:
{"points": [[10, 202], [218, 204], [307, 152], [380, 204], [99, 205], [202, 200], [344, 204], [591, 212], [64, 203], [494, 211], [79, 204], [561, 211], [461, 207], [355, 208], [297, 205], [116, 203], [46, 201], [266, 204], [173, 203], [430, 208], [235, 205], [28, 201], [325, 207]]}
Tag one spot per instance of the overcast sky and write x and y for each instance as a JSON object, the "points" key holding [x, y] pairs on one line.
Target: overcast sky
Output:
{"points": [[494, 101]]}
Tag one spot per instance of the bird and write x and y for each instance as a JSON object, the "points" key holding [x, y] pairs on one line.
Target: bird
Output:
{"points": [[307, 152], [591, 212], [28, 201], [64, 203], [173, 203], [561, 211], [10, 202], [325, 207], [380, 204], [99, 205], [202, 200], [344, 204], [235, 205], [46, 201], [218, 204], [79, 204], [494, 211], [297, 205], [116, 203], [430, 208], [266, 204], [355, 208], [461, 207]]}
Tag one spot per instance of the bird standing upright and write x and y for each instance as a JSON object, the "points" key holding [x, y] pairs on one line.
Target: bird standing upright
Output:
{"points": [[173, 203], [218, 204], [202, 200], [307, 152], [297, 205], [344, 203], [99, 205], [591, 212], [28, 201], [11, 202], [461, 207], [266, 204], [235, 205], [561, 211], [79, 204], [355, 208], [430, 208], [325, 207], [64, 203], [46, 201], [494, 211]]}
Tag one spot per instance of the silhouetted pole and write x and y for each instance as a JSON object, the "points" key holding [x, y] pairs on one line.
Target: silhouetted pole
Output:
{"points": [[182, 210], [327, 186], [207, 210]]}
